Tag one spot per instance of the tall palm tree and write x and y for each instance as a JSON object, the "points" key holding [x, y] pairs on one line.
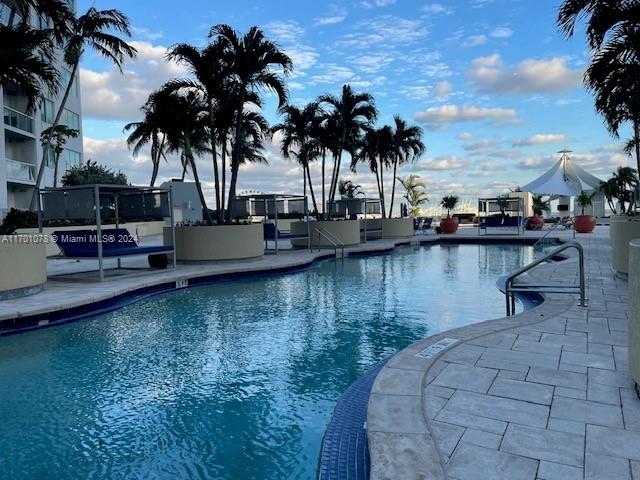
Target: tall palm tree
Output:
{"points": [[324, 132], [298, 140], [251, 59], [414, 193], [407, 146], [210, 71], [56, 13], [26, 63], [351, 112], [90, 30], [368, 153], [57, 136]]}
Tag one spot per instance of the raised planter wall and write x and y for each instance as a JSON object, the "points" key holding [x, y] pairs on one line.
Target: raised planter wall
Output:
{"points": [[223, 242], [142, 229], [634, 306], [391, 227], [622, 230], [347, 231], [24, 268]]}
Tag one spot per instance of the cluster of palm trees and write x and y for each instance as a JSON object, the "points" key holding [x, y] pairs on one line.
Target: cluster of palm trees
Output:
{"points": [[613, 35], [216, 112], [28, 54]]}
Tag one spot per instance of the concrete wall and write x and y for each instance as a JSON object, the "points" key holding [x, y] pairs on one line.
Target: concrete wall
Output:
{"points": [[634, 301], [622, 230], [23, 266], [347, 231], [391, 227], [138, 229], [220, 242]]}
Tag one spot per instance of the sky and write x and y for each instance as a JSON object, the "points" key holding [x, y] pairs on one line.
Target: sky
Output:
{"points": [[496, 88]]}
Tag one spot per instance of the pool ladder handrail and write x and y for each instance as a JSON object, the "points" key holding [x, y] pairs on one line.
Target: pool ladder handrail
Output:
{"points": [[553, 228], [332, 239], [510, 288]]}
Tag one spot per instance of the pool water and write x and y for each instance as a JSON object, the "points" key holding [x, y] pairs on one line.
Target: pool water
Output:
{"points": [[233, 380]]}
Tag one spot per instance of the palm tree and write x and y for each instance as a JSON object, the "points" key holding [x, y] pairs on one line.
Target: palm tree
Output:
{"points": [[348, 189], [449, 203], [56, 12], [211, 72], [414, 193], [297, 133], [148, 131], [251, 59], [57, 136], [351, 112], [407, 144], [324, 133], [90, 30], [26, 63]]}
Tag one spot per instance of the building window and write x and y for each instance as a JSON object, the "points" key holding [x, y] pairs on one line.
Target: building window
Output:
{"points": [[65, 75], [70, 119], [71, 159], [46, 111]]}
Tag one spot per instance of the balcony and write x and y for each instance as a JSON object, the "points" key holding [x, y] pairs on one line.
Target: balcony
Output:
{"points": [[20, 171], [18, 120]]}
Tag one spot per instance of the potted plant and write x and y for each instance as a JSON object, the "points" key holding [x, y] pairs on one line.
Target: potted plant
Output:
{"points": [[536, 222], [449, 224], [619, 191], [584, 223]]}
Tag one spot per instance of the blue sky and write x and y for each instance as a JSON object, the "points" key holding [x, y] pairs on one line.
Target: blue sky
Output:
{"points": [[494, 85]]}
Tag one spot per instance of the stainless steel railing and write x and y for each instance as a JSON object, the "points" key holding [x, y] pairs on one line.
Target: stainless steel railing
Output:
{"points": [[331, 238], [511, 288]]}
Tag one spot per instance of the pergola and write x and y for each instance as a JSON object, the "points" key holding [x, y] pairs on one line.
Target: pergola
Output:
{"points": [[348, 207], [497, 205], [100, 203]]}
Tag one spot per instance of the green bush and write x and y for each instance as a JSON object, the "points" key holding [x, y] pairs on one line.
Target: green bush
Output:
{"points": [[21, 218], [91, 173]]}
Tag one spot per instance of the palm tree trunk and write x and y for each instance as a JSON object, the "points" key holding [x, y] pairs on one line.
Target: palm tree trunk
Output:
{"points": [[384, 206], [223, 172], [334, 182], [214, 154], [55, 169], [235, 150], [636, 133], [324, 200], [313, 197], [187, 146], [232, 188], [45, 147], [378, 183], [184, 170], [393, 186]]}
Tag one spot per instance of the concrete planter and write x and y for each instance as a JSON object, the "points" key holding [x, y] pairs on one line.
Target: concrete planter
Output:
{"points": [[347, 231], [24, 267], [622, 230], [634, 308], [391, 227], [218, 242]]}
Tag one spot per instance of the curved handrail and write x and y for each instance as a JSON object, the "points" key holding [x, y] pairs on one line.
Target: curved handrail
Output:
{"points": [[332, 239], [510, 290]]}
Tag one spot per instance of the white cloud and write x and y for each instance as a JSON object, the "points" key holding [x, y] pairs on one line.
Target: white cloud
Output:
{"points": [[333, 73], [490, 75], [377, 3], [474, 41], [436, 8], [445, 162], [145, 33], [289, 34], [438, 116], [501, 32], [465, 136], [541, 139], [386, 31], [371, 63], [443, 88], [321, 21], [287, 31]]}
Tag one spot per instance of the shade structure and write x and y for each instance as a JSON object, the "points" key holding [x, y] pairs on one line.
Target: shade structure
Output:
{"points": [[564, 178]]}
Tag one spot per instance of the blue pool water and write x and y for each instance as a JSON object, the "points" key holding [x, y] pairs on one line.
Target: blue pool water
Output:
{"points": [[234, 380]]}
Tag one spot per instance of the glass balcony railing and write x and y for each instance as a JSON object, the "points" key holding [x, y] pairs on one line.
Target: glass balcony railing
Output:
{"points": [[18, 120], [24, 172]]}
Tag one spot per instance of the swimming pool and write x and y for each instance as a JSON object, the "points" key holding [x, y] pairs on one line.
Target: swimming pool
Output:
{"points": [[233, 380]]}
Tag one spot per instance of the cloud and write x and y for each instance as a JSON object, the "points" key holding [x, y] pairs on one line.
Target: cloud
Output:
{"points": [[115, 96], [465, 136], [474, 41], [443, 88], [287, 31], [145, 33], [372, 63], [444, 114], [386, 31], [540, 139], [321, 21], [437, 8], [289, 35], [445, 162], [501, 32], [333, 73], [480, 147], [377, 3], [490, 75]]}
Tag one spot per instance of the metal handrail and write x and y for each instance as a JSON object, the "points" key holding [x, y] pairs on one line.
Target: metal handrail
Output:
{"points": [[332, 239], [552, 229], [510, 289]]}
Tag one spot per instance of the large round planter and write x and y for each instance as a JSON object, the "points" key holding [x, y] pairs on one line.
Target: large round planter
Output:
{"points": [[535, 223], [389, 227], [24, 266], [449, 225], [584, 223], [634, 309], [346, 231], [622, 230], [217, 242]]}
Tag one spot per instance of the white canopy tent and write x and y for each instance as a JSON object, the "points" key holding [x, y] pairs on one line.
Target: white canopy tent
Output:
{"points": [[565, 178]]}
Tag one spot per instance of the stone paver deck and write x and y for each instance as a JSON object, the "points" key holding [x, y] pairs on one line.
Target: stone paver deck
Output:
{"points": [[542, 395]]}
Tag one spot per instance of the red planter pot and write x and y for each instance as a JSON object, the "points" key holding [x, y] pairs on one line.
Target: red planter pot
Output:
{"points": [[584, 223], [449, 225], [535, 223]]}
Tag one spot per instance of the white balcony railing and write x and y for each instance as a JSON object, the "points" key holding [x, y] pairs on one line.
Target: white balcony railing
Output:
{"points": [[18, 120], [23, 172]]}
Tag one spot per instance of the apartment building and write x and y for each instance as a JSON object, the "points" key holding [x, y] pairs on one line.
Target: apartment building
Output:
{"points": [[20, 144]]}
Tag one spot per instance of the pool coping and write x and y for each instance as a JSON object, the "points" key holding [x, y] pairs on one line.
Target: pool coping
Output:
{"points": [[110, 296]]}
